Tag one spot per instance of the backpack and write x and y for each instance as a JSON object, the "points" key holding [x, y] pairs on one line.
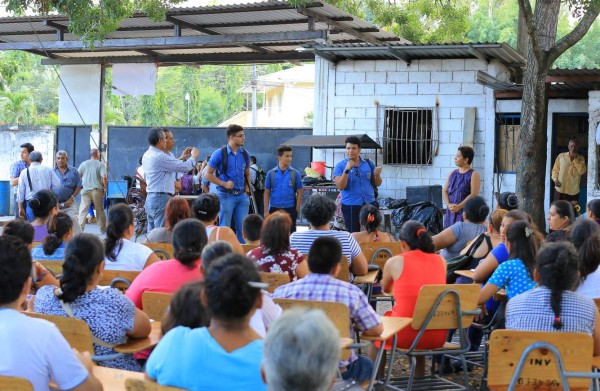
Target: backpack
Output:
{"points": [[292, 177], [375, 189], [261, 176], [187, 185], [224, 161]]}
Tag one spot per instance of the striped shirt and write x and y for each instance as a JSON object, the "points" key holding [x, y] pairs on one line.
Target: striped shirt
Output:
{"points": [[160, 170], [302, 241], [324, 287], [42, 178], [531, 311], [15, 171]]}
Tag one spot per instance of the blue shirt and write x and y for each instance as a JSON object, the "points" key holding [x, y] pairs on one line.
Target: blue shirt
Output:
{"points": [[69, 181], [513, 276], [236, 168], [283, 194], [38, 253], [15, 171], [359, 189], [192, 359]]}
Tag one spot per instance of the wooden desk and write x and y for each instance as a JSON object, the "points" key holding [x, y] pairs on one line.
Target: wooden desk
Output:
{"points": [[114, 379], [391, 325], [134, 345], [500, 295], [465, 273], [345, 342]]}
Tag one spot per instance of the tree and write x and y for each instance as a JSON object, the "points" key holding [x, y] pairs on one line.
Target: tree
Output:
{"points": [[543, 50], [17, 108]]}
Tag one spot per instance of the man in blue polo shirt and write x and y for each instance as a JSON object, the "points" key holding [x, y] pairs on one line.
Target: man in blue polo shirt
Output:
{"points": [[283, 186], [232, 179], [355, 177]]}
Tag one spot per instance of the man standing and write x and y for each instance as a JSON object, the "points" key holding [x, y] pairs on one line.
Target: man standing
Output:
{"points": [[232, 165], [33, 179], [95, 184], [70, 187], [283, 186], [15, 171], [257, 178], [160, 169], [355, 177], [566, 173]]}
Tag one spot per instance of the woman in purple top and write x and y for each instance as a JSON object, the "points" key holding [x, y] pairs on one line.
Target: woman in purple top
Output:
{"points": [[461, 184]]}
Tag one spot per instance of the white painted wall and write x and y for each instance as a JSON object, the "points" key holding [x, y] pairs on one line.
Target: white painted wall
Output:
{"points": [[594, 110]]}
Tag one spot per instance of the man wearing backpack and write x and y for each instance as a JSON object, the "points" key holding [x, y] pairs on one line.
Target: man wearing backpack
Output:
{"points": [[229, 169], [283, 186], [257, 178]]}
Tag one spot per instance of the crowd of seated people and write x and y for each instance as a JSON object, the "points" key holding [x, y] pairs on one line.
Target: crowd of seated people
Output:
{"points": [[221, 318]]}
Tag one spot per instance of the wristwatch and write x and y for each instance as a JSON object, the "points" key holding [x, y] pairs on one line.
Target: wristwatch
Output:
{"points": [[347, 171]]}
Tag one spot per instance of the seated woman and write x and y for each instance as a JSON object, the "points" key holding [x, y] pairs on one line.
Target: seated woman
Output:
{"points": [[585, 236], [206, 209], [508, 201], [370, 219], [319, 211], [274, 255], [264, 316], [60, 231], [111, 316], [516, 274], [43, 204], [121, 253], [404, 275], [177, 209], [553, 306], [560, 219], [593, 210], [455, 238], [232, 293], [186, 309], [40, 276]]}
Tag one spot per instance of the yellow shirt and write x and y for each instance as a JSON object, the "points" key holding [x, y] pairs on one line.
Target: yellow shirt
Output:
{"points": [[568, 173]]}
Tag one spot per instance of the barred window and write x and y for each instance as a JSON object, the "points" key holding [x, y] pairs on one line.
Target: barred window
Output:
{"points": [[410, 135], [508, 128]]}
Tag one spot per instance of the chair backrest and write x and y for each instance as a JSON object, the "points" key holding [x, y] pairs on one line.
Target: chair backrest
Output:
{"points": [[76, 331], [344, 274], [120, 279], [155, 304], [54, 267], [35, 244], [337, 313], [163, 251], [15, 384], [444, 315], [248, 247], [143, 385], [377, 253], [274, 280], [538, 368]]}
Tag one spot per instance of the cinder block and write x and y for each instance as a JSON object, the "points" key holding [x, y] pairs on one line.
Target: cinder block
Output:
{"points": [[450, 88], [376, 77], [339, 112], [365, 66], [472, 64], [355, 112], [344, 89], [472, 89], [385, 89], [364, 89], [406, 89], [463, 76], [354, 77], [385, 65], [397, 77], [428, 88], [441, 77], [419, 77], [364, 125], [430, 65], [453, 65]]}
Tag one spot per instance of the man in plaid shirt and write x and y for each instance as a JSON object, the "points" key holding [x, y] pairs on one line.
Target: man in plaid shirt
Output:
{"points": [[321, 285]]}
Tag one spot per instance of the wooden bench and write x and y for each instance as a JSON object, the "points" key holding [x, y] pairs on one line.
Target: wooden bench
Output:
{"points": [[120, 279], [274, 280], [163, 251], [76, 331], [144, 385], [155, 304], [54, 267], [248, 247], [15, 384]]}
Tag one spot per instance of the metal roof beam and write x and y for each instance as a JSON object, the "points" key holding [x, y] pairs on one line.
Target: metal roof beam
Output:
{"points": [[327, 56], [60, 29], [172, 42], [476, 53], [400, 55], [349, 30]]}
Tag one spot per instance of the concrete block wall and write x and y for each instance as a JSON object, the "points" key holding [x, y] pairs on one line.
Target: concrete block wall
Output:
{"points": [[42, 138], [356, 90]]}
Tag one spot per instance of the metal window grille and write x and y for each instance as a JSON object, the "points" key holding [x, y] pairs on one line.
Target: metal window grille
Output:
{"points": [[410, 135], [508, 128]]}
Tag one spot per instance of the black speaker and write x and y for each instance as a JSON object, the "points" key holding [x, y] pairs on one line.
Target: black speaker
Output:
{"points": [[432, 193]]}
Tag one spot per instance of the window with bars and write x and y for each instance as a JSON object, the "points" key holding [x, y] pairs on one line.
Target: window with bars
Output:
{"points": [[409, 136], [508, 128]]}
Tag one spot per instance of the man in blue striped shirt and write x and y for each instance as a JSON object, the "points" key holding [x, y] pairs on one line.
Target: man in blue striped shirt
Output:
{"points": [[15, 171], [33, 179]]}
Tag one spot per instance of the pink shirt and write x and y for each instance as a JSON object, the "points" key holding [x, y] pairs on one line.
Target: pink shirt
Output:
{"points": [[165, 277]]}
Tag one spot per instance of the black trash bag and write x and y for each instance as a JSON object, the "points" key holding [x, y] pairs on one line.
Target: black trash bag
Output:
{"points": [[426, 212], [391, 203]]}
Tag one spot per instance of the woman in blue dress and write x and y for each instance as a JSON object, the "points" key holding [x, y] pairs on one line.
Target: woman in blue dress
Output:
{"points": [[461, 184]]}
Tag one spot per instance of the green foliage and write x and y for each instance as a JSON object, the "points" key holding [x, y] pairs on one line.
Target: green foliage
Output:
{"points": [[16, 108]]}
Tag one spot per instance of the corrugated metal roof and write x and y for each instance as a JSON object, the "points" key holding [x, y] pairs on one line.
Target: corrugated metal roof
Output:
{"points": [[273, 23]]}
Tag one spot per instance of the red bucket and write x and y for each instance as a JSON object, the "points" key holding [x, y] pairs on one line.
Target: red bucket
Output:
{"points": [[318, 167]]}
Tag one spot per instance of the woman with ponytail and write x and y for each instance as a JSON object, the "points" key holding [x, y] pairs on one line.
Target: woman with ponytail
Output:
{"points": [[206, 209], [111, 315], [43, 204], [553, 306], [404, 275], [121, 253], [60, 231], [585, 236], [370, 219], [232, 293]]}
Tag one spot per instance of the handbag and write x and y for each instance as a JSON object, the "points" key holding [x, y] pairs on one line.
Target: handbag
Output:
{"points": [[460, 262]]}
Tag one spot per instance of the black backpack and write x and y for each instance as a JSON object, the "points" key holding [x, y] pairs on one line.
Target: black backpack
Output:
{"points": [[224, 162], [261, 177]]}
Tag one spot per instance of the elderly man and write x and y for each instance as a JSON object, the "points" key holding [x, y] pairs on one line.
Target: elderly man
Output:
{"points": [[15, 171], [566, 173], [95, 183], [160, 169], [70, 188], [33, 179], [313, 342]]}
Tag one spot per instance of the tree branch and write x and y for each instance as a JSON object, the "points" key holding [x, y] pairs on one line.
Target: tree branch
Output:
{"points": [[575, 35], [525, 9]]}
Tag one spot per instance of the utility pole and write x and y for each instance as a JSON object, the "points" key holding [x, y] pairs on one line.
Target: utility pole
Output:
{"points": [[253, 84]]}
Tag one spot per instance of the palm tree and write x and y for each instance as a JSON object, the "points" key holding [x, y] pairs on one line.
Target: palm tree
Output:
{"points": [[17, 108]]}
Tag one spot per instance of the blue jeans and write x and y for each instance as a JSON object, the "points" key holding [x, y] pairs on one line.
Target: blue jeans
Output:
{"points": [[155, 210], [359, 370], [29, 212], [236, 206]]}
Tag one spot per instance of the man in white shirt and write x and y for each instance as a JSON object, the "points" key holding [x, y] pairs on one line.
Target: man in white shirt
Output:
{"points": [[34, 349], [33, 179]]}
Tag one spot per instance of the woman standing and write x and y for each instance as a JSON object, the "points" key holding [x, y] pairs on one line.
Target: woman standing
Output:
{"points": [[461, 184]]}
